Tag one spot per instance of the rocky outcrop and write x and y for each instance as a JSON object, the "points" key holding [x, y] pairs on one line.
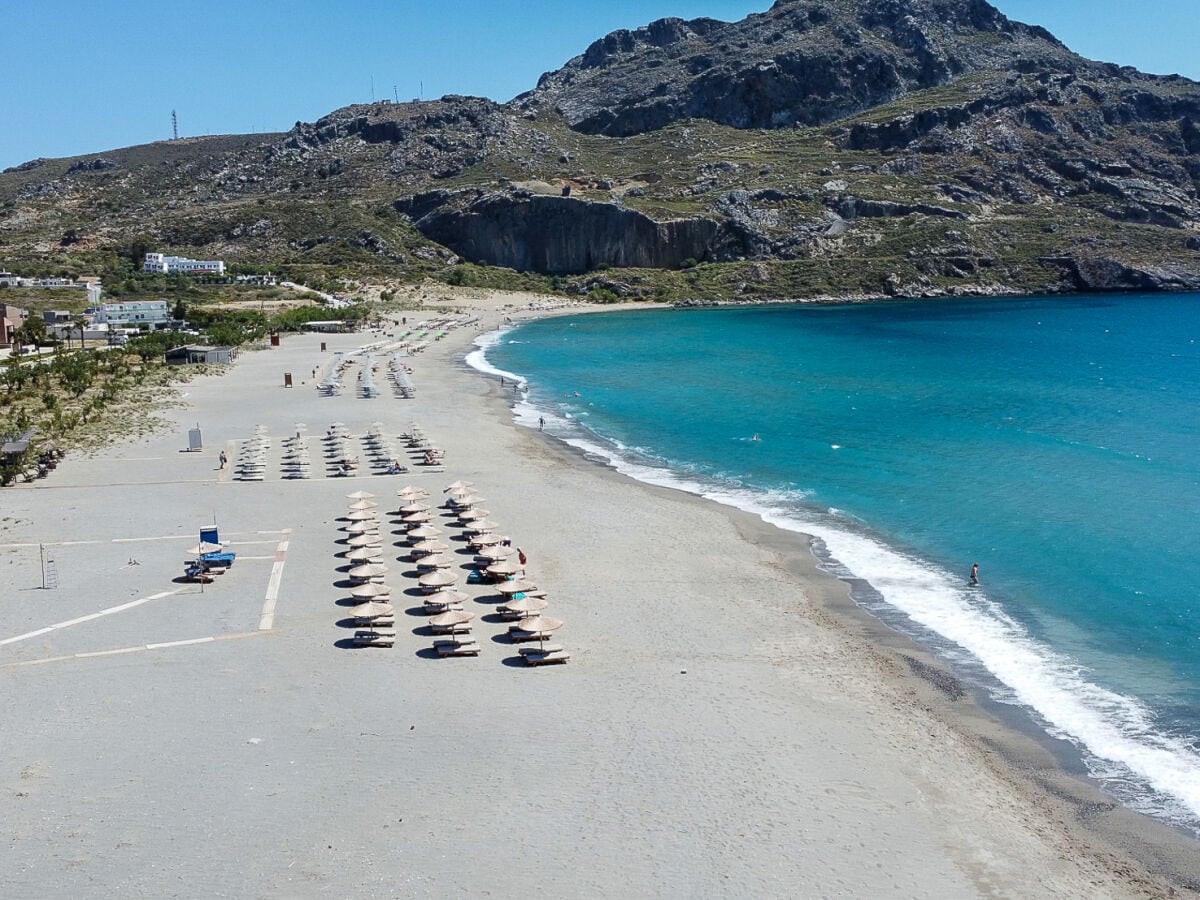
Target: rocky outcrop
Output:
{"points": [[1103, 274], [803, 62], [562, 235]]}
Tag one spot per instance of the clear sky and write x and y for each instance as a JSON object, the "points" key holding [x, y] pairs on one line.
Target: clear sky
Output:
{"points": [[78, 76]]}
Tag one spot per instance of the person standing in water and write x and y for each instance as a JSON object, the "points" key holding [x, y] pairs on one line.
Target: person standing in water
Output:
{"points": [[541, 423], [975, 574]]}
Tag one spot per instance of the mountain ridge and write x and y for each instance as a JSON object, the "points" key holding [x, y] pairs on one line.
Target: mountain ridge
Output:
{"points": [[913, 147]]}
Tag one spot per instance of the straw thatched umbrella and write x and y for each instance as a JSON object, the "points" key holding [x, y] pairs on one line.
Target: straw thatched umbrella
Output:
{"points": [[436, 561], [473, 515], [360, 527], [541, 626], [411, 491], [360, 495], [489, 539], [527, 605], [505, 567], [495, 553], [417, 517], [415, 507], [364, 554], [423, 532], [362, 515], [374, 609], [520, 586], [481, 526], [369, 539], [458, 486], [370, 591], [368, 570], [428, 546], [363, 504], [445, 595], [451, 618], [438, 578]]}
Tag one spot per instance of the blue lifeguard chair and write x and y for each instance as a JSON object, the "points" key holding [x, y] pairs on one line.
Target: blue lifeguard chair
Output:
{"points": [[218, 558]]}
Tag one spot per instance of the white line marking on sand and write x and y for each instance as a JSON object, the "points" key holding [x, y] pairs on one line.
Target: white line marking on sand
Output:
{"points": [[141, 648], [267, 620], [104, 612]]}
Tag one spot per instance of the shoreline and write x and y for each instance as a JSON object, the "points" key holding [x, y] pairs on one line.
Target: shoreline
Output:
{"points": [[1042, 768]]}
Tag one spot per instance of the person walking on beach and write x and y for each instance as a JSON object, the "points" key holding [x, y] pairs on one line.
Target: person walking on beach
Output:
{"points": [[222, 459], [541, 423], [975, 574], [521, 558]]}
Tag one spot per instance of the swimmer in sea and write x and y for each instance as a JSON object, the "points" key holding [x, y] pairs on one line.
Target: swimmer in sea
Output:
{"points": [[756, 437], [975, 574]]}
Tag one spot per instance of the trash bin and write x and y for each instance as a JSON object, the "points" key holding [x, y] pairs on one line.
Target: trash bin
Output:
{"points": [[322, 346], [287, 379], [274, 340]]}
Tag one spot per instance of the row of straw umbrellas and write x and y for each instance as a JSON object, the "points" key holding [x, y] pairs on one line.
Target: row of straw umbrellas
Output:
{"points": [[437, 573]]}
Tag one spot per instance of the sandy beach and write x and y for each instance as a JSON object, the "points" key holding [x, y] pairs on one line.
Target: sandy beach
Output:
{"points": [[728, 724]]}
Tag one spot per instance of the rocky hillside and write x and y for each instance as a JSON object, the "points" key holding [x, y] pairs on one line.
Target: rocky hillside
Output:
{"points": [[914, 147]]}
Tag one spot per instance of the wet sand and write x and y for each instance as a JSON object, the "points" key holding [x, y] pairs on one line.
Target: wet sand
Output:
{"points": [[728, 724]]}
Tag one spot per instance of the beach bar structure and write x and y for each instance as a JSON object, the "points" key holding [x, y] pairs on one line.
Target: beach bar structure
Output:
{"points": [[194, 354]]}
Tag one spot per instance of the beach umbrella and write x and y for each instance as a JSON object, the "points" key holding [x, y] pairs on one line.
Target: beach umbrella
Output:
{"points": [[489, 539], [458, 486], [205, 547], [360, 527], [364, 554], [438, 578], [429, 546], [414, 508], [520, 586], [450, 618], [365, 540], [362, 515], [410, 490], [527, 605], [369, 591], [445, 597], [368, 570], [374, 609], [423, 532], [417, 517], [505, 567], [435, 561], [480, 526], [473, 515], [363, 504], [360, 495], [540, 625], [495, 553]]}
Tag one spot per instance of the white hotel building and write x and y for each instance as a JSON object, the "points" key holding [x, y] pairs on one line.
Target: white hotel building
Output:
{"points": [[157, 263]]}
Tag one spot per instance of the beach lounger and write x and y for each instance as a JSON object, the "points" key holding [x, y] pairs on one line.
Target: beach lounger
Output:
{"points": [[449, 648], [547, 658], [374, 638], [376, 622], [540, 648], [517, 635], [461, 628]]}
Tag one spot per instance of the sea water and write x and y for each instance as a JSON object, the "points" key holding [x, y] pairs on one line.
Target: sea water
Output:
{"points": [[1052, 441]]}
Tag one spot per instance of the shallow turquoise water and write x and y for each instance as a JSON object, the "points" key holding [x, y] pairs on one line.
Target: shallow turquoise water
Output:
{"points": [[1051, 440]]}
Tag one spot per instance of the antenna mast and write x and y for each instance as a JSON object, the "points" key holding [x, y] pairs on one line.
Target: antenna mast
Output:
{"points": [[174, 125]]}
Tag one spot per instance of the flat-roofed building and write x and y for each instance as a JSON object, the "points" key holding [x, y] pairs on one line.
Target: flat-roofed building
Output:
{"points": [[160, 264], [152, 314], [11, 318]]}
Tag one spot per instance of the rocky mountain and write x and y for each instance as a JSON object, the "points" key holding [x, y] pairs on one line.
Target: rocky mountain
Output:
{"points": [[914, 147]]}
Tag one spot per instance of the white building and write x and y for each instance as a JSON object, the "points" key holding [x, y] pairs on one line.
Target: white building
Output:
{"points": [[153, 314], [157, 263]]}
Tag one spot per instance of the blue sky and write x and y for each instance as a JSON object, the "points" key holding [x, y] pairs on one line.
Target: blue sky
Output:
{"points": [[83, 77]]}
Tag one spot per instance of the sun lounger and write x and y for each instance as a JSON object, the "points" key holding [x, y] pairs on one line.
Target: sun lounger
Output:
{"points": [[461, 628], [540, 648], [376, 622], [447, 648], [547, 658], [374, 638], [517, 634]]}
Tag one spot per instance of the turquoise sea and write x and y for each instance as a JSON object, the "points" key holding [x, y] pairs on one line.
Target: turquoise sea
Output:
{"points": [[1053, 441]]}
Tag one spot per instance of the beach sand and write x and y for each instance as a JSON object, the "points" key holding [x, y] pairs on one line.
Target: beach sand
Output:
{"points": [[728, 724]]}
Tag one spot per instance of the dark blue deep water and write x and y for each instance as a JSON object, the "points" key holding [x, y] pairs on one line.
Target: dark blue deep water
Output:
{"points": [[1051, 440]]}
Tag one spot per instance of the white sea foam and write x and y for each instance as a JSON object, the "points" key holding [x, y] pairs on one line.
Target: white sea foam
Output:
{"points": [[1116, 734]]}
